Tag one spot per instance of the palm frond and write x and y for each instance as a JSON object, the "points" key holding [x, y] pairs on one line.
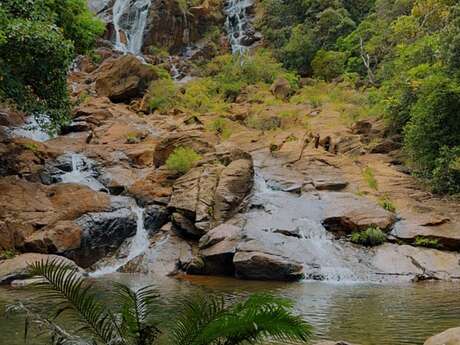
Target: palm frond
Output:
{"points": [[75, 296], [137, 311], [258, 318], [195, 315]]}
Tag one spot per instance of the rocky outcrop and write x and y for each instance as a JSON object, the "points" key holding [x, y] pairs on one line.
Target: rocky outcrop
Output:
{"points": [[26, 208], [124, 78], [449, 337], [212, 192], [101, 234], [345, 213], [441, 230], [17, 267], [201, 142], [171, 27], [262, 266]]}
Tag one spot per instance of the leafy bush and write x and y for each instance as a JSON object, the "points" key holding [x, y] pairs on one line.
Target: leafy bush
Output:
{"points": [[182, 159], [371, 237], [37, 44], [421, 241], [161, 94], [446, 173], [328, 65], [221, 127]]}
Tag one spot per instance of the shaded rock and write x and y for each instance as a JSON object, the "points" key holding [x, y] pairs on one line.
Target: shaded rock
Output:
{"points": [[281, 88], [330, 184], [17, 267], [124, 78], [155, 218], [362, 127], [262, 266], [102, 233], [200, 142], [449, 337], [185, 226], [217, 249], [386, 146], [346, 212]]}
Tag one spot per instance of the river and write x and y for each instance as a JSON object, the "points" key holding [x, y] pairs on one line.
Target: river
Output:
{"points": [[367, 314]]}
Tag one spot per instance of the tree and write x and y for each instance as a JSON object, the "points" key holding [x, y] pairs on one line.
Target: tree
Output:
{"points": [[200, 320]]}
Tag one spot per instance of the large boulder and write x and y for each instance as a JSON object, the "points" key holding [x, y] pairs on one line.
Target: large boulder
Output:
{"points": [[263, 266], [281, 88], [212, 192], [449, 337], [201, 142], [17, 267], [346, 212], [123, 79], [26, 208]]}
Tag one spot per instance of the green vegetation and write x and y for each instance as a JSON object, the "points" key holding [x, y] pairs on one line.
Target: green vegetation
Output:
{"points": [[133, 138], [31, 147], [134, 319], [38, 40], [182, 159], [369, 177], [405, 52], [221, 127], [387, 204], [161, 94], [421, 241], [371, 237], [7, 254]]}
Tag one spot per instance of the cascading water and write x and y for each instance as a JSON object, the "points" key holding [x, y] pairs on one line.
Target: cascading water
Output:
{"points": [[130, 20], [33, 130], [82, 173], [237, 24], [138, 244]]}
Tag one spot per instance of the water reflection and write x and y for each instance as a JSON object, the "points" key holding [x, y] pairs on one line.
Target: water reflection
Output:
{"points": [[363, 314]]}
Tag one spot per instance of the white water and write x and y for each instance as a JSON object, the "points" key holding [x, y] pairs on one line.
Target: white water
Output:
{"points": [[237, 23], [130, 20], [82, 173], [32, 129], [138, 244]]}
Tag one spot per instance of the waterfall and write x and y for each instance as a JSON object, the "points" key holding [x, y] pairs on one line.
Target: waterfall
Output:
{"points": [[237, 24], [130, 20], [34, 130], [82, 173], [138, 244]]}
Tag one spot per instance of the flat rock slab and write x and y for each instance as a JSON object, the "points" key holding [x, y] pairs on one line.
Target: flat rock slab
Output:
{"points": [[396, 260], [447, 234], [346, 212], [17, 267]]}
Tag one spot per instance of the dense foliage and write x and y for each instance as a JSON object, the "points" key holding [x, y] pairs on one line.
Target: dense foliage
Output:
{"points": [[408, 51], [38, 40]]}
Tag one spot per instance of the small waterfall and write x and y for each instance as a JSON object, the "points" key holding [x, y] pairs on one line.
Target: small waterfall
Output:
{"points": [[82, 173], [130, 20], [34, 130], [138, 244], [237, 24]]}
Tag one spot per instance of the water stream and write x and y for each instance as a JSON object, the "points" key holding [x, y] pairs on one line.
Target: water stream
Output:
{"points": [[237, 24], [129, 20], [136, 246], [32, 129]]}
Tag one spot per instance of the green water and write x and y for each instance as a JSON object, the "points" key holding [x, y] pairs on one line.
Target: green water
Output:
{"points": [[359, 313]]}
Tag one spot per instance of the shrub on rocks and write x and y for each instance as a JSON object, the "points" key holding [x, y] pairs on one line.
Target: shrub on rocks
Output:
{"points": [[182, 159], [371, 237]]}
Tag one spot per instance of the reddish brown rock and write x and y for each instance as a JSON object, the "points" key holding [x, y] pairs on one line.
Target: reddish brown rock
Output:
{"points": [[449, 337], [122, 79], [54, 239], [281, 88]]}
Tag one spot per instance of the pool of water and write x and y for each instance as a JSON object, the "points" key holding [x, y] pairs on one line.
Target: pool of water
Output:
{"points": [[366, 314]]}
